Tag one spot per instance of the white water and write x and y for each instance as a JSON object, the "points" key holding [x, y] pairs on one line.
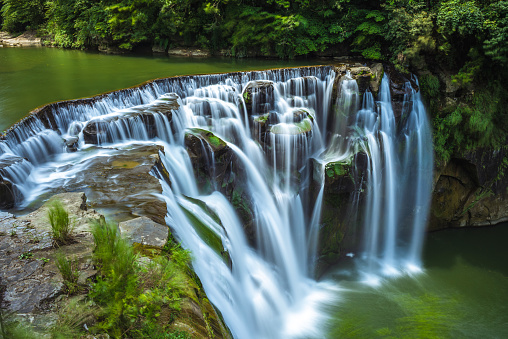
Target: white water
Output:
{"points": [[266, 291]]}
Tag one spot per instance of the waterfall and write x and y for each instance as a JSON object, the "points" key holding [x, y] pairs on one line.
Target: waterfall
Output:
{"points": [[400, 181], [272, 125]]}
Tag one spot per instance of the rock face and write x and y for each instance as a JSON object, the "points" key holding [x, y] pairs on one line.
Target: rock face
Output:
{"points": [[27, 39], [216, 166], [123, 183], [10, 166], [471, 190], [342, 194], [27, 255], [7, 195], [145, 232], [258, 97]]}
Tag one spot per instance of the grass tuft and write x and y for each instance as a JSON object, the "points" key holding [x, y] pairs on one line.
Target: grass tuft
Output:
{"points": [[69, 270], [60, 223]]}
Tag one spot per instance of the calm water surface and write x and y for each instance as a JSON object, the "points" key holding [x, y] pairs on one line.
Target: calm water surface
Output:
{"points": [[461, 293], [31, 77]]}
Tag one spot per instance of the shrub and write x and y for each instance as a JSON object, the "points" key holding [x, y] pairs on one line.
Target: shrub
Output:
{"points": [[60, 223]]}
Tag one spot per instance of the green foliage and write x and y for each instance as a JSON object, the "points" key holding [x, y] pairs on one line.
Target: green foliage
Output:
{"points": [[461, 17], [478, 123], [133, 297], [26, 255], [496, 46], [10, 328], [115, 289], [21, 15], [72, 318], [60, 222], [371, 34]]}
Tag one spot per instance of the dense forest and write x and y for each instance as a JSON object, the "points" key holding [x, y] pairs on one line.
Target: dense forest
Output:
{"points": [[458, 48]]}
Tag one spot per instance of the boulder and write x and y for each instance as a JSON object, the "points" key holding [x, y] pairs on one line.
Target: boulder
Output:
{"points": [[258, 97], [7, 195], [145, 232], [13, 169], [377, 71], [216, 167]]}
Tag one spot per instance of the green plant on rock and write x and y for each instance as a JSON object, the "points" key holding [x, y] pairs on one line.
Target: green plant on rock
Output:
{"points": [[72, 319], [137, 300], [10, 328], [69, 270], [60, 221]]}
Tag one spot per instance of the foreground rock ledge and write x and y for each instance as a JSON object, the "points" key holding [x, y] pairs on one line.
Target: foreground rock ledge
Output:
{"points": [[31, 286]]}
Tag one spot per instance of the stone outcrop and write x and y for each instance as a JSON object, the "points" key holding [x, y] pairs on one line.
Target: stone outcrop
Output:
{"points": [[27, 256], [340, 217], [134, 121], [217, 167], [27, 39], [258, 97], [124, 182], [9, 194], [188, 52], [144, 231], [470, 190]]}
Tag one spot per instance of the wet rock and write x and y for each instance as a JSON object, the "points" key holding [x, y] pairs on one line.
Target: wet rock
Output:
{"points": [[216, 167], [7, 195], [145, 232], [363, 76], [342, 192], [377, 71], [124, 183], [258, 96], [72, 144], [140, 121], [471, 190], [214, 162]]}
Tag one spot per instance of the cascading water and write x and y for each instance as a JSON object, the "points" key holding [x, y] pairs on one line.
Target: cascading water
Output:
{"points": [[273, 123], [400, 159]]}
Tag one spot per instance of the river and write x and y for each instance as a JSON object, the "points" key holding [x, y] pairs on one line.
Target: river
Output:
{"points": [[461, 292], [31, 77]]}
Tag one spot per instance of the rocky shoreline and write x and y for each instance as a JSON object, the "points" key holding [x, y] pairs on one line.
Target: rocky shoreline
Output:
{"points": [[27, 39]]}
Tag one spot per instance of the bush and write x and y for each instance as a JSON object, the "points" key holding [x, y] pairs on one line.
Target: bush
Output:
{"points": [[60, 223]]}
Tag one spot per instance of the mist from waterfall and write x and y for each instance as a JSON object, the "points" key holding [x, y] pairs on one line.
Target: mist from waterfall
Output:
{"points": [[265, 289]]}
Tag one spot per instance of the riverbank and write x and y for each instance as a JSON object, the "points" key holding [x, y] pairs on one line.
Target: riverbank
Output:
{"points": [[27, 39]]}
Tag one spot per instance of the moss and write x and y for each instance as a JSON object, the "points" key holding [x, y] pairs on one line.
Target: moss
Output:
{"points": [[262, 118], [337, 169], [211, 138], [125, 164], [301, 127], [247, 97]]}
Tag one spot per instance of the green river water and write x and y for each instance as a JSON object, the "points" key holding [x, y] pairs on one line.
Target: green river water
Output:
{"points": [[31, 77], [463, 290]]}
